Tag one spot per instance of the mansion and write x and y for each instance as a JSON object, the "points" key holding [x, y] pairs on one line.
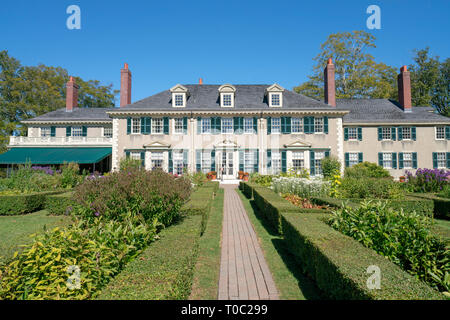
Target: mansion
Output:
{"points": [[230, 128]]}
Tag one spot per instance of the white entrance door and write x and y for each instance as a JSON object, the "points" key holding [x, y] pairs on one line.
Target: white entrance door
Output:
{"points": [[227, 165]]}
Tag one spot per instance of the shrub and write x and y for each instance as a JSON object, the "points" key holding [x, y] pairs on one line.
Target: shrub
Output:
{"points": [[197, 178], [61, 204], [403, 237], [127, 164], [366, 170], [445, 193], [99, 250], [147, 194], [301, 187], [330, 165], [15, 204], [70, 176], [370, 188], [262, 180], [428, 180], [441, 206]]}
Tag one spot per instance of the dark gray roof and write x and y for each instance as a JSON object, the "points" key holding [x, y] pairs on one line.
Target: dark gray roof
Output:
{"points": [[78, 114], [385, 110], [206, 97]]}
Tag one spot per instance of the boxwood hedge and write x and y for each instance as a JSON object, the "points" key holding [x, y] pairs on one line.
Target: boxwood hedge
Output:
{"points": [[23, 203], [59, 204], [441, 205]]}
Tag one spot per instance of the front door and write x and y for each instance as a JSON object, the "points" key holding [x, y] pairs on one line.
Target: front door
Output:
{"points": [[227, 168]]}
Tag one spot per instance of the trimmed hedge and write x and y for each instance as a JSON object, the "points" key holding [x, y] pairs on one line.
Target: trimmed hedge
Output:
{"points": [[11, 205], [59, 204], [338, 263], [247, 188], [441, 205], [332, 202], [164, 271]]}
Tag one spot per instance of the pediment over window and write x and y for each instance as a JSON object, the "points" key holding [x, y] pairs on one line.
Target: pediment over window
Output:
{"points": [[275, 88], [226, 144], [226, 93], [274, 95], [179, 89], [227, 88], [179, 95], [157, 145], [298, 145]]}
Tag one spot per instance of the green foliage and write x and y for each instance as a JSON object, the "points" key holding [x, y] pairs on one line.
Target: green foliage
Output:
{"points": [[291, 173], [100, 250], [61, 204], [260, 179], [441, 206], [196, 178], [147, 194], [371, 188], [403, 237], [445, 193], [23, 203], [301, 187], [331, 166], [338, 263], [127, 164], [70, 175], [366, 170]]}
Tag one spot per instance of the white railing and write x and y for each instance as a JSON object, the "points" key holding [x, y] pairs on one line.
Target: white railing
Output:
{"points": [[55, 141]]}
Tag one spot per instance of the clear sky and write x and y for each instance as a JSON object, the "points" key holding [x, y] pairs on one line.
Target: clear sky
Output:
{"points": [[226, 41]]}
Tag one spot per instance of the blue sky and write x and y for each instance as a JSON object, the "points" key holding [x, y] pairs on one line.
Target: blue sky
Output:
{"points": [[240, 42]]}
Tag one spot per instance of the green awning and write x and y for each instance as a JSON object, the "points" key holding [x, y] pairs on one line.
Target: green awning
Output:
{"points": [[54, 155]]}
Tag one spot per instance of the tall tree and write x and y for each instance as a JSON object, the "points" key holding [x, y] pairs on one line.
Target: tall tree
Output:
{"points": [[357, 73], [30, 91]]}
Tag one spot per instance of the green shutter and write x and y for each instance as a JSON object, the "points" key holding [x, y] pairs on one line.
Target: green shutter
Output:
{"points": [[269, 125], [414, 160], [347, 160], [400, 160], [393, 138], [236, 127], [269, 158], [128, 125], [288, 124], [312, 169], [325, 125], [68, 131], [145, 125], [218, 125], [327, 154], [309, 125], [185, 125], [400, 133], [394, 160], [185, 159], [198, 160], [284, 161], [127, 154], [345, 134], [435, 162], [170, 162], [448, 160], [213, 160], [143, 159], [447, 132], [359, 133], [413, 133], [143, 122], [380, 159], [255, 125], [241, 160], [84, 131], [256, 164], [166, 125], [380, 133], [52, 131], [360, 157], [199, 125], [283, 124]]}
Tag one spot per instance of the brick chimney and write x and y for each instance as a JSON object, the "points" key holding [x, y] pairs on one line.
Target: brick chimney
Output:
{"points": [[200, 81], [125, 86], [329, 84], [71, 95], [404, 89]]}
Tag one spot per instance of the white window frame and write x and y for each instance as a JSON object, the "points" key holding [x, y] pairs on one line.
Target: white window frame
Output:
{"points": [[154, 125], [203, 123], [318, 157], [272, 125], [178, 158], [280, 94], [105, 130], [384, 131], [443, 160], [205, 161], [353, 158], [157, 156], [226, 128], [135, 155], [276, 162], [175, 120], [222, 99], [407, 161], [295, 125], [352, 133], [249, 161], [175, 98], [136, 124], [76, 130], [387, 161], [408, 133], [319, 123], [44, 134], [443, 132], [247, 129], [298, 156]]}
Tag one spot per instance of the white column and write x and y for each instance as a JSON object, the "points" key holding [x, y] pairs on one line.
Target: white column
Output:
{"points": [[340, 143], [191, 131], [115, 145], [148, 160]]}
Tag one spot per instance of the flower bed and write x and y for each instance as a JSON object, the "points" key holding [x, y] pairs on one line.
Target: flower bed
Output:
{"points": [[302, 202], [301, 187], [428, 180]]}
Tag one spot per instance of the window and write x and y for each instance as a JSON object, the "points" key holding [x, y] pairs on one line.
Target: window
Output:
{"points": [[386, 133], [179, 100], [136, 126], [276, 125], [298, 160], [206, 162], [387, 160], [318, 125], [297, 125], [318, 156], [248, 125], [227, 100], [46, 132], [77, 131], [206, 125], [249, 161], [406, 133], [275, 99], [440, 133], [276, 162], [157, 125], [352, 133], [407, 160], [353, 158], [179, 127], [157, 160], [441, 160], [227, 125], [135, 156], [178, 164], [108, 132]]}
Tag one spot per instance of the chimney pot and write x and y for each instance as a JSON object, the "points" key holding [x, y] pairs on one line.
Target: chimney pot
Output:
{"points": [[404, 89], [125, 86], [330, 61], [71, 95], [329, 84], [200, 81]]}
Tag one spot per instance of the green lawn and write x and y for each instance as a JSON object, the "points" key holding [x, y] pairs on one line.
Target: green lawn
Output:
{"points": [[206, 276], [290, 281], [16, 230], [442, 228]]}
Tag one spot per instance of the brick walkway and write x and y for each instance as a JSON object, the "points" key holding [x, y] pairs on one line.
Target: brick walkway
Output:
{"points": [[244, 274]]}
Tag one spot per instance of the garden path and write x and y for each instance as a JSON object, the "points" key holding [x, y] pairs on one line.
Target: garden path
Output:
{"points": [[244, 273]]}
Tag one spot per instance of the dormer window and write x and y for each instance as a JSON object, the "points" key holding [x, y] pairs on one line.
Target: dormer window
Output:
{"points": [[227, 92], [275, 95], [179, 96]]}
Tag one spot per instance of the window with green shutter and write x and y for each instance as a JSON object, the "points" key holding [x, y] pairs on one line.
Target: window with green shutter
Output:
{"points": [[359, 133], [360, 157], [146, 123], [283, 161], [198, 160], [345, 134], [185, 125], [393, 133], [238, 125], [269, 125], [312, 168], [166, 125], [347, 159], [143, 159], [170, 162], [394, 160], [413, 133], [52, 132], [400, 160], [213, 160], [325, 125], [256, 163], [199, 125], [269, 159], [414, 160], [447, 132], [128, 125], [68, 131], [241, 160], [255, 125]]}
